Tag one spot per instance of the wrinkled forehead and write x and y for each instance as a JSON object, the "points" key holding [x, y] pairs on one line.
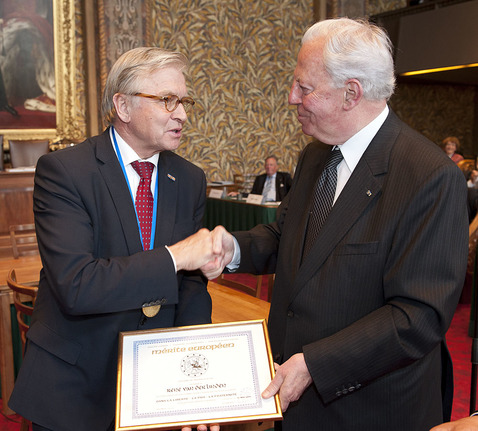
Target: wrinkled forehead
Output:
{"points": [[169, 80], [310, 61]]}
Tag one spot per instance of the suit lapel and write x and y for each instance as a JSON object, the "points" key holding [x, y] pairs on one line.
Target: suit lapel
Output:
{"points": [[167, 195], [115, 181], [362, 188], [262, 183], [168, 191]]}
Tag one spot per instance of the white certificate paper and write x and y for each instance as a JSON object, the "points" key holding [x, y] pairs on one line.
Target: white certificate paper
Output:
{"points": [[173, 377]]}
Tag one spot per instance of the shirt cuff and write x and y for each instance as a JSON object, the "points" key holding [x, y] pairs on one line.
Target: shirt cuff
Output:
{"points": [[174, 260], [236, 258]]}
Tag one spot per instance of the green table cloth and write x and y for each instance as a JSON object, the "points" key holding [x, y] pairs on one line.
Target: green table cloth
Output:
{"points": [[235, 215]]}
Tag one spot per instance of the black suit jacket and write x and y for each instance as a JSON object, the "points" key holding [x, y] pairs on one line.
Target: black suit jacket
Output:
{"points": [[283, 185], [96, 277], [370, 304]]}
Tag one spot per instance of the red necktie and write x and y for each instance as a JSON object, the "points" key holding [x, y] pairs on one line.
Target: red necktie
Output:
{"points": [[144, 200]]}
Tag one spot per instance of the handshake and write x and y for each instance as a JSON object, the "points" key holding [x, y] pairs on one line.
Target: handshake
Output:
{"points": [[209, 251]]}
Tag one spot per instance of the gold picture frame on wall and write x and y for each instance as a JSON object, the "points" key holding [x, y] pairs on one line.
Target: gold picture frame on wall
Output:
{"points": [[62, 28]]}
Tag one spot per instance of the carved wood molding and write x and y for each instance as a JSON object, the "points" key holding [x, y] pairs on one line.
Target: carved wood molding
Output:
{"points": [[67, 126]]}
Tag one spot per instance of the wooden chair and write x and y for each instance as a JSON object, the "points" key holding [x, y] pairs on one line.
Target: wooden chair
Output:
{"points": [[23, 296], [254, 290], [24, 301], [23, 240], [466, 166], [244, 182], [27, 153], [1, 153]]}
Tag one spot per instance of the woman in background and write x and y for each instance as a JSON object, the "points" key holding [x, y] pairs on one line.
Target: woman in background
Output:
{"points": [[451, 146]]}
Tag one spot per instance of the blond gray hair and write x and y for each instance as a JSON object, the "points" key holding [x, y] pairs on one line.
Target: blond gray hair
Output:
{"points": [[132, 66]]}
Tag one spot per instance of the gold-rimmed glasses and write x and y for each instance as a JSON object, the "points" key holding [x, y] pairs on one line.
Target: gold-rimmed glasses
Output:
{"points": [[170, 102]]}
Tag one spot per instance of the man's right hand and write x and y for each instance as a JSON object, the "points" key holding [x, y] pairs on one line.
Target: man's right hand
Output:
{"points": [[209, 251], [194, 251], [223, 252]]}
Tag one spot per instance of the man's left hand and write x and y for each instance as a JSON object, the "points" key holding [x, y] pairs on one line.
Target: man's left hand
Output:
{"points": [[291, 380]]}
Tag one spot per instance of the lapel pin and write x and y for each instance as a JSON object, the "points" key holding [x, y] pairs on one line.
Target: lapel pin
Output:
{"points": [[369, 193], [171, 177]]}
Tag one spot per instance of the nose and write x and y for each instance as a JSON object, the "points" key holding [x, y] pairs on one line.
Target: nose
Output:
{"points": [[295, 94], [180, 114]]}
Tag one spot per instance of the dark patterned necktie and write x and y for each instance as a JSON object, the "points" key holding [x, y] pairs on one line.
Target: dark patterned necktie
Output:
{"points": [[323, 198], [144, 200]]}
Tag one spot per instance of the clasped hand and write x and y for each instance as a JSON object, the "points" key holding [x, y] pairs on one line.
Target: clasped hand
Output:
{"points": [[208, 250]]}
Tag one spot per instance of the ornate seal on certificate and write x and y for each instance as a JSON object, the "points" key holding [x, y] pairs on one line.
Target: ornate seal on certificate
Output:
{"points": [[194, 364]]}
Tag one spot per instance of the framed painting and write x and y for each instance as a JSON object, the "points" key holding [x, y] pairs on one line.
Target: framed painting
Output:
{"points": [[37, 69]]}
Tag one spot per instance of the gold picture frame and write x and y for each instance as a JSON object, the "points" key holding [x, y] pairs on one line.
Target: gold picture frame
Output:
{"points": [[65, 89], [185, 376]]}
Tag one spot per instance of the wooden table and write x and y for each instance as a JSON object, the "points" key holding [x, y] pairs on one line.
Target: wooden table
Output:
{"points": [[228, 305]]}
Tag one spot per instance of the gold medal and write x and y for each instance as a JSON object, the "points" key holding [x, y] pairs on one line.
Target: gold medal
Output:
{"points": [[150, 309]]}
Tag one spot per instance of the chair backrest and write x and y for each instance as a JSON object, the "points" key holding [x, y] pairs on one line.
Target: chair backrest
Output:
{"points": [[244, 182], [24, 298], [27, 153], [466, 165], [23, 240], [1, 153]]}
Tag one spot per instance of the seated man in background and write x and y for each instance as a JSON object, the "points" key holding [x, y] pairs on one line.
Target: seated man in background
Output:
{"points": [[272, 185]]}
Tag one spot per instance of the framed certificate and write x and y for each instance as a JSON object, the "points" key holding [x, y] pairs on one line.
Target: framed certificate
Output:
{"points": [[186, 376]]}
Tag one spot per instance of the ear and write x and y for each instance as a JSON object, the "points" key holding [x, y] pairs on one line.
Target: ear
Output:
{"points": [[353, 94], [122, 105]]}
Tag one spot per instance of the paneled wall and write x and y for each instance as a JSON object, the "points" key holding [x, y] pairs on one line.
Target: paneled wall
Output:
{"points": [[438, 111], [242, 55]]}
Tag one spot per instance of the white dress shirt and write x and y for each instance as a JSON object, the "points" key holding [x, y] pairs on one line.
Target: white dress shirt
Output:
{"points": [[352, 150], [269, 191], [129, 156]]}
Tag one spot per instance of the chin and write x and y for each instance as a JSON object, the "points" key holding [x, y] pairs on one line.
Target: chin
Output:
{"points": [[307, 132], [173, 145]]}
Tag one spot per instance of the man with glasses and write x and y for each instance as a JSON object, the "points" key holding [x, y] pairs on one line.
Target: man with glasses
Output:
{"points": [[118, 221]]}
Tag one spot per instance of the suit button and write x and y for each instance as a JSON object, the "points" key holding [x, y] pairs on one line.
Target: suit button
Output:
{"points": [[277, 357], [290, 313]]}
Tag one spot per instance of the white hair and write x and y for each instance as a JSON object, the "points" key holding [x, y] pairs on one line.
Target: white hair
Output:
{"points": [[356, 49]]}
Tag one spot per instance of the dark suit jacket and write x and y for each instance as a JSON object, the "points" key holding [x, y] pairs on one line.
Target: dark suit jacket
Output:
{"points": [[370, 304], [96, 277], [283, 185]]}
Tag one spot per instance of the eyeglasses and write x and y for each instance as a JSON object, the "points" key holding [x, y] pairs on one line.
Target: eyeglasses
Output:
{"points": [[170, 102]]}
